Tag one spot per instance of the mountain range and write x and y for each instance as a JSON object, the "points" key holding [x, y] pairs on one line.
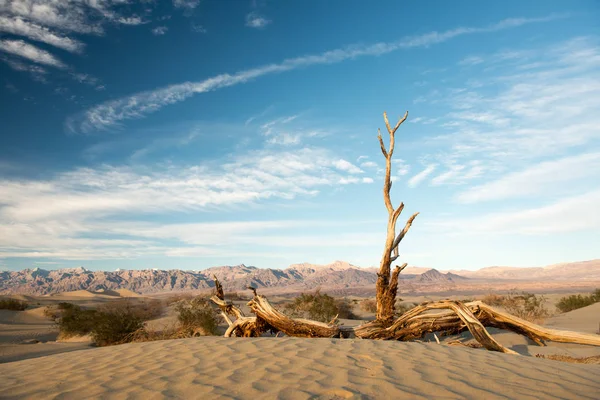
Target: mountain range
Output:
{"points": [[337, 277]]}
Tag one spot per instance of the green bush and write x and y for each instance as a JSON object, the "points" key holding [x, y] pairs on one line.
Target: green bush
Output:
{"points": [[319, 307], [12, 304], [76, 321], [575, 301], [115, 326], [111, 324], [197, 314]]}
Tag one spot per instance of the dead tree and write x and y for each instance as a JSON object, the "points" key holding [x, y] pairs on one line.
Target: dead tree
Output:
{"points": [[454, 318], [387, 281]]}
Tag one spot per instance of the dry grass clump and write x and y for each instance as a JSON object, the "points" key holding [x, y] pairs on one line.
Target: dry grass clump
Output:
{"points": [[574, 302], [12, 304], [319, 307], [569, 359], [369, 305], [113, 323], [144, 309], [402, 308], [178, 297], [197, 316], [527, 306], [235, 296]]}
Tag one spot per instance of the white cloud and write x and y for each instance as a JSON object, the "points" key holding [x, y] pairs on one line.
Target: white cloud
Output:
{"points": [[571, 214], [255, 20], [186, 4], [18, 26], [522, 120], [284, 139], [106, 191], [30, 52], [368, 164], [198, 28], [538, 179], [69, 15], [367, 180], [98, 213], [112, 113], [160, 30], [346, 166], [38, 73], [418, 178]]}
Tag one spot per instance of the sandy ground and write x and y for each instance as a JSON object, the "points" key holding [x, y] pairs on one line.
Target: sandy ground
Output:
{"points": [[292, 368], [215, 367], [29, 334]]}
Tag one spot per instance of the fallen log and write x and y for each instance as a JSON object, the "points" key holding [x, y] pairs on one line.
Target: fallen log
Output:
{"points": [[414, 324]]}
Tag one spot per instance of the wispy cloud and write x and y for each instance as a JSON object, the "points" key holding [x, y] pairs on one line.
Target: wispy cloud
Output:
{"points": [[37, 73], [255, 20], [538, 179], [347, 166], [421, 176], [112, 113], [188, 5], [520, 119], [20, 27], [51, 22], [570, 214], [84, 213], [160, 30], [25, 50]]}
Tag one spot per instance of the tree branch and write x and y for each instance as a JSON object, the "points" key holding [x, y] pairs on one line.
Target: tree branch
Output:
{"points": [[404, 231]]}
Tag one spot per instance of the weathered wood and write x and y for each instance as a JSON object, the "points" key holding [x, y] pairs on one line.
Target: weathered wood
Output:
{"points": [[386, 286], [291, 326]]}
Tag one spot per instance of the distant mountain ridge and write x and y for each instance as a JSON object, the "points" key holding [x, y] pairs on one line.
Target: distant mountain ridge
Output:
{"points": [[297, 277], [339, 276]]}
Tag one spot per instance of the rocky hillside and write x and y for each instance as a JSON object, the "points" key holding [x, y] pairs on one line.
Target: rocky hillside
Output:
{"points": [[339, 277], [336, 276]]}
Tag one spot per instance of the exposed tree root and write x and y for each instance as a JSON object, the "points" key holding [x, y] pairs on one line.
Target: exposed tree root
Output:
{"points": [[416, 323]]}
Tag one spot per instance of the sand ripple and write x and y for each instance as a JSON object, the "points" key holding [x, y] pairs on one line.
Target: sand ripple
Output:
{"points": [[290, 368]]}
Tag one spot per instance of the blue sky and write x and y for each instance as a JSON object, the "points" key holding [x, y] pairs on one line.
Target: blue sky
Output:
{"points": [[190, 134]]}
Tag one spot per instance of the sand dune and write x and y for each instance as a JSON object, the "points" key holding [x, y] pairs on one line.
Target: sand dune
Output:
{"points": [[586, 319], [292, 368]]}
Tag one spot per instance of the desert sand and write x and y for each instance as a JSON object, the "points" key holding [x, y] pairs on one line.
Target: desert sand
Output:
{"points": [[288, 368], [293, 368]]}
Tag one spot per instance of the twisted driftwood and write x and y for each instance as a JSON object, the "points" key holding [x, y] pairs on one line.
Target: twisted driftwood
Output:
{"points": [[454, 318], [414, 324]]}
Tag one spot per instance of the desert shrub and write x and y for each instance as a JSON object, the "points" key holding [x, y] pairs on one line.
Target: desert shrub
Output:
{"points": [[527, 306], [575, 301], [318, 306], [234, 296], [75, 321], [368, 305], [142, 309], [402, 308], [111, 324], [494, 300], [177, 298], [197, 314], [345, 311], [115, 325], [12, 304]]}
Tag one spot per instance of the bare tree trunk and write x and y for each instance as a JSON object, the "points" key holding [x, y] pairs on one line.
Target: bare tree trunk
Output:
{"points": [[413, 324], [387, 281]]}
